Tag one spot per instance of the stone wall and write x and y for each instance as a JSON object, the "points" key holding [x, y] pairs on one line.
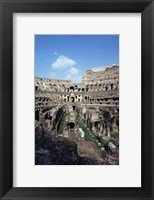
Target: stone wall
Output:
{"points": [[100, 87], [102, 75]]}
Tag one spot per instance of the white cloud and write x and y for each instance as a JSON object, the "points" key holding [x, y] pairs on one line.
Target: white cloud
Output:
{"points": [[63, 62], [65, 67], [73, 70], [73, 75]]}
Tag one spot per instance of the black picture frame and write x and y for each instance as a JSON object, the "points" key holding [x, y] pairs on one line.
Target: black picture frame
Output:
{"points": [[7, 8]]}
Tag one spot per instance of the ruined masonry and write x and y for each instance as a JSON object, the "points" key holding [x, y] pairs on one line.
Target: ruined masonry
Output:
{"points": [[86, 113]]}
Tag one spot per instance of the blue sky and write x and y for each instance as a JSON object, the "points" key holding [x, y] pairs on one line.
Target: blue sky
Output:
{"points": [[67, 57]]}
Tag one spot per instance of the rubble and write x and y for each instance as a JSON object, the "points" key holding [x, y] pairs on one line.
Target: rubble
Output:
{"points": [[78, 123], [59, 151]]}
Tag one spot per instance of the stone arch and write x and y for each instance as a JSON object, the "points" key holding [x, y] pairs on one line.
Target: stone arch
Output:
{"points": [[71, 125], [37, 116], [72, 99], [36, 88], [72, 88]]}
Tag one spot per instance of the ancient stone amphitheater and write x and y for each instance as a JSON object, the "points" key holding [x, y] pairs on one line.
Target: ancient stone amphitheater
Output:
{"points": [[85, 113]]}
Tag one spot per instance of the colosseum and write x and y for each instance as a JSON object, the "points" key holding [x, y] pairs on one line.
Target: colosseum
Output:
{"points": [[85, 115]]}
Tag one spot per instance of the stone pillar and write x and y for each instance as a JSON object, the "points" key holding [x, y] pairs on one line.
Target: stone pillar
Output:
{"points": [[108, 132]]}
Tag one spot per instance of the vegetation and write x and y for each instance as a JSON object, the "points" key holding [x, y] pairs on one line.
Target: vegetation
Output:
{"points": [[114, 135], [90, 137], [84, 128], [104, 153], [61, 128]]}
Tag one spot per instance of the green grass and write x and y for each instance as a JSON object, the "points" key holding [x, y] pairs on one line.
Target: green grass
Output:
{"points": [[61, 128], [104, 153], [84, 128], [88, 137], [114, 135]]}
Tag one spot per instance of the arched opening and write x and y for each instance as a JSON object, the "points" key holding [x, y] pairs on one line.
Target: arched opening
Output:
{"points": [[36, 88], [71, 125], [37, 115], [72, 99], [74, 107], [72, 89], [63, 88], [96, 124], [75, 88], [47, 116], [112, 86]]}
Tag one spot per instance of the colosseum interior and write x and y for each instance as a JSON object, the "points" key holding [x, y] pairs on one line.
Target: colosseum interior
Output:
{"points": [[83, 116]]}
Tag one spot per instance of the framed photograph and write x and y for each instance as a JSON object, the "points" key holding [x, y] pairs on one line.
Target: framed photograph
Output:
{"points": [[77, 108], [76, 99]]}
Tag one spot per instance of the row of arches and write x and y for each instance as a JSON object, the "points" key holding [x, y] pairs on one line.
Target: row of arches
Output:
{"points": [[76, 89], [79, 99]]}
